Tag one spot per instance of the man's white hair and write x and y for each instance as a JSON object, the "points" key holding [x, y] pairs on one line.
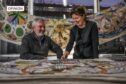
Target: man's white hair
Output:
{"points": [[37, 20]]}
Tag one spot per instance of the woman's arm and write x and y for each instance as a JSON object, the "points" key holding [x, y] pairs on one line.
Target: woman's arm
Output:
{"points": [[95, 41]]}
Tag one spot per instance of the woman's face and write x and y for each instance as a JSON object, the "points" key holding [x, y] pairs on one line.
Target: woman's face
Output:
{"points": [[78, 20]]}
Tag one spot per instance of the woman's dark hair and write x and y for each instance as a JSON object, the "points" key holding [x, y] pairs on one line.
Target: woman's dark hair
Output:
{"points": [[78, 10]]}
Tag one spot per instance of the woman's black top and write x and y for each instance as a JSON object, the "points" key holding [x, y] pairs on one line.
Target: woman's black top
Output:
{"points": [[86, 40]]}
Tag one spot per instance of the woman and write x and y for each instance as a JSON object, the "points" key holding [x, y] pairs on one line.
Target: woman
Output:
{"points": [[85, 34]]}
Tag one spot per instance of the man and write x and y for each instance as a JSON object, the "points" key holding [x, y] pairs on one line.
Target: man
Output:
{"points": [[36, 45]]}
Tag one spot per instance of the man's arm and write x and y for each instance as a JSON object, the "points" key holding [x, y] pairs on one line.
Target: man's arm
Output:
{"points": [[25, 50], [56, 48]]}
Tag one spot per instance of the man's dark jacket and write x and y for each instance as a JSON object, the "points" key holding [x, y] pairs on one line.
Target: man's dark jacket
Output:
{"points": [[34, 48]]}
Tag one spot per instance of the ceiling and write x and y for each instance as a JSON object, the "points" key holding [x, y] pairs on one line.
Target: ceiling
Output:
{"points": [[103, 3]]}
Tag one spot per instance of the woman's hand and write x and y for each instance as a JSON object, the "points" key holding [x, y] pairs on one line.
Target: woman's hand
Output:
{"points": [[65, 55]]}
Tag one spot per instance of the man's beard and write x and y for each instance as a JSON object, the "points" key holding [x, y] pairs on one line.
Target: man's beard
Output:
{"points": [[39, 34]]}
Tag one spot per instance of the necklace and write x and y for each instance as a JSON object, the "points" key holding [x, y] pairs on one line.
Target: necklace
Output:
{"points": [[82, 26]]}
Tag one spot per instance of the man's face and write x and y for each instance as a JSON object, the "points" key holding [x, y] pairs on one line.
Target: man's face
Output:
{"points": [[39, 28]]}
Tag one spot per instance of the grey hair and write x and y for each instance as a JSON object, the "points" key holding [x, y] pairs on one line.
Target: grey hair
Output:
{"points": [[37, 20]]}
